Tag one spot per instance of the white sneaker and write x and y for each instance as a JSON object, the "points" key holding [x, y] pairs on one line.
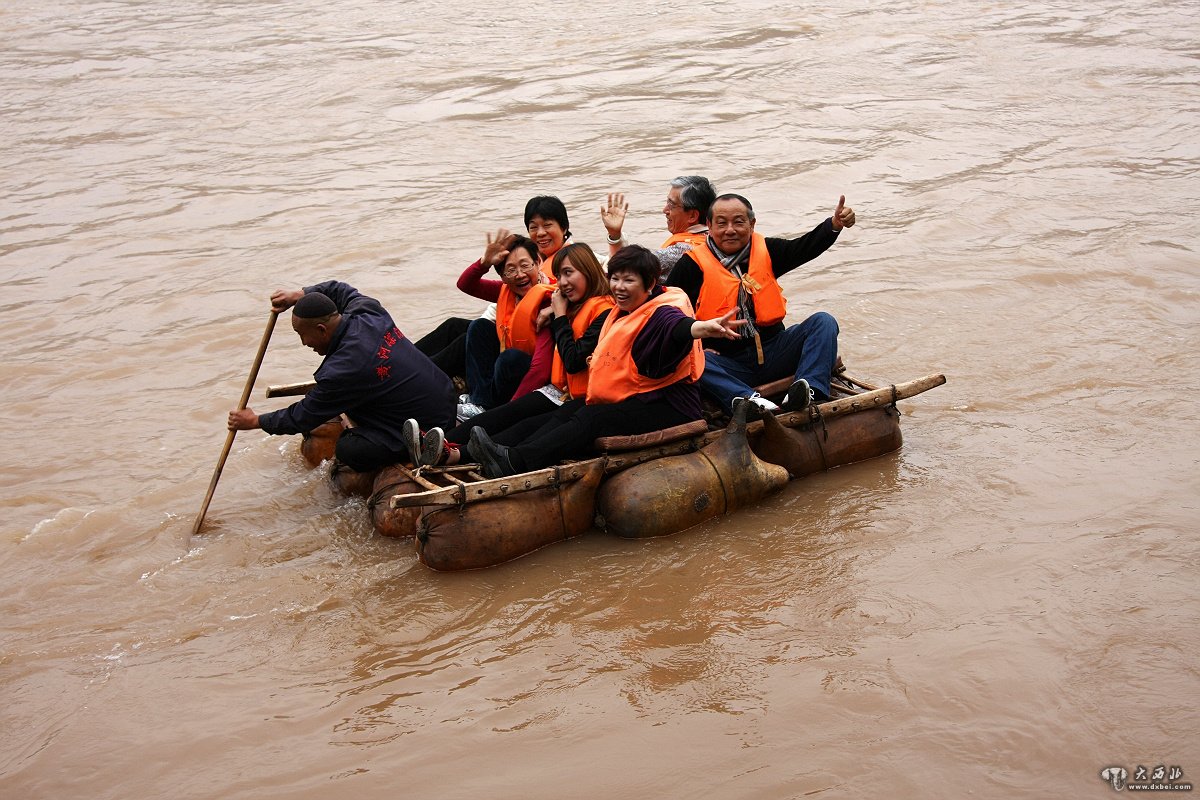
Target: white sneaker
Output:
{"points": [[412, 440], [759, 405], [433, 447], [763, 403], [467, 409]]}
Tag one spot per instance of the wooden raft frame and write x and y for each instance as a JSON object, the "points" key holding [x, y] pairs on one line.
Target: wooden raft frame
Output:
{"points": [[454, 491]]}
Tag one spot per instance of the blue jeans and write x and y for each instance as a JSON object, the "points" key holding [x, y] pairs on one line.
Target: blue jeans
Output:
{"points": [[807, 350], [492, 376]]}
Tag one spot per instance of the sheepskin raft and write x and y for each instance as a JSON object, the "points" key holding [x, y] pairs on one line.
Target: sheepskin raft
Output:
{"points": [[475, 535], [670, 494], [649, 485], [461, 520]]}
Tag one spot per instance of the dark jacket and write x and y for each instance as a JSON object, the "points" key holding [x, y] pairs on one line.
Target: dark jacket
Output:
{"points": [[373, 374], [786, 255]]}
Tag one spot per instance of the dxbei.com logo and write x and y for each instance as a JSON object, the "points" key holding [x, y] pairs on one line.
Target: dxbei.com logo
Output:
{"points": [[1160, 779]]}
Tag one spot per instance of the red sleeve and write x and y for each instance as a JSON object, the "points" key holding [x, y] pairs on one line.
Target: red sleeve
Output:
{"points": [[473, 283], [539, 368]]}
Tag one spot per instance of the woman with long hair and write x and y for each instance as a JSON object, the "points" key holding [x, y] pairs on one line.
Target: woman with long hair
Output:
{"points": [[579, 303], [642, 375]]}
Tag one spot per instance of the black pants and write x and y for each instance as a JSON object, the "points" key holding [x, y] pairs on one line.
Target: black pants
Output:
{"points": [[493, 375], [362, 455], [498, 420], [570, 431], [446, 346]]}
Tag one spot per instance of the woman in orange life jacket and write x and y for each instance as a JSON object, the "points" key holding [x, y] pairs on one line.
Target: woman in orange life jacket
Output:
{"points": [[642, 377], [547, 224], [500, 353], [579, 304], [493, 375]]}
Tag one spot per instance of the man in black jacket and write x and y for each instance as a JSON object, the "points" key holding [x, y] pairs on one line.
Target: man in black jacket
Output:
{"points": [[371, 373], [738, 268]]}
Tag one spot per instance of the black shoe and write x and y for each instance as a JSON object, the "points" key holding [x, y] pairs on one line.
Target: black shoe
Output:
{"points": [[799, 396], [433, 447], [493, 458]]}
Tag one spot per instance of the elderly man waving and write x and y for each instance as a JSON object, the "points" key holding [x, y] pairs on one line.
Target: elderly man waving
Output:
{"points": [[686, 213], [737, 267]]}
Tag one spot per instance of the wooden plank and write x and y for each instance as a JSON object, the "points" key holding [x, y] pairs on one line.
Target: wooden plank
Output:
{"points": [[489, 489], [619, 461], [847, 405], [846, 387], [421, 479], [290, 389], [855, 381]]}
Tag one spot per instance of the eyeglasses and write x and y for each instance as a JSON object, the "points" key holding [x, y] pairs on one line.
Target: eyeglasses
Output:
{"points": [[513, 270], [671, 204]]}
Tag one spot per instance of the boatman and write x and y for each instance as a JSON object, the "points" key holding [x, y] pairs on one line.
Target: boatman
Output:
{"points": [[686, 210], [371, 373], [736, 267]]}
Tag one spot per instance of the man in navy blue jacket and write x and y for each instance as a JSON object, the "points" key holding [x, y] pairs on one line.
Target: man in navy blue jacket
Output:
{"points": [[372, 373]]}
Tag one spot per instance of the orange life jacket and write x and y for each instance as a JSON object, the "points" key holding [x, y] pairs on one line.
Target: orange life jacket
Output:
{"points": [[575, 383], [516, 320], [547, 263], [694, 239], [719, 292], [613, 376]]}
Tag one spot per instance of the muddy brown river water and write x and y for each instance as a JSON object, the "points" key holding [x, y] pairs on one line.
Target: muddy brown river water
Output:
{"points": [[1004, 608]]}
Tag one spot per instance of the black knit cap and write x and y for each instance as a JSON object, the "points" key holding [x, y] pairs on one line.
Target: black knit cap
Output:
{"points": [[313, 306]]}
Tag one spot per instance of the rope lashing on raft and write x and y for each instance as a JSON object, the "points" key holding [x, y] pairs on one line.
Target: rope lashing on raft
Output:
{"points": [[824, 437], [562, 510], [382, 494], [817, 416]]}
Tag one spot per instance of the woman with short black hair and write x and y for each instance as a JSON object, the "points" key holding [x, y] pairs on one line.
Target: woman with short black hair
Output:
{"points": [[642, 376]]}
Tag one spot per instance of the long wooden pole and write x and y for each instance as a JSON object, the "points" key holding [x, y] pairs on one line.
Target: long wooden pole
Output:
{"points": [[258, 359]]}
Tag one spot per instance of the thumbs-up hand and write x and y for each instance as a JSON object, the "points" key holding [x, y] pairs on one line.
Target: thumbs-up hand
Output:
{"points": [[843, 215]]}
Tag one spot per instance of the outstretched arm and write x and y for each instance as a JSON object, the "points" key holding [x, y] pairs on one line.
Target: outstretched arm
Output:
{"points": [[787, 254], [725, 327]]}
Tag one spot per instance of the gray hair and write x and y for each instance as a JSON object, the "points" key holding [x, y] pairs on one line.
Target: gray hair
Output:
{"points": [[696, 193]]}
